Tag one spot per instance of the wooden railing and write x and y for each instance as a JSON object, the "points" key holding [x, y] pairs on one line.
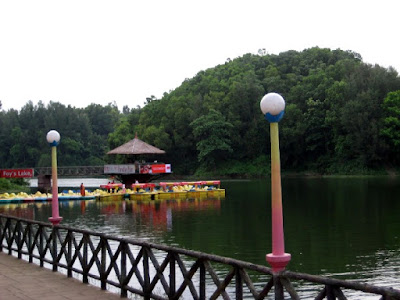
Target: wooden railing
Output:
{"points": [[162, 272]]}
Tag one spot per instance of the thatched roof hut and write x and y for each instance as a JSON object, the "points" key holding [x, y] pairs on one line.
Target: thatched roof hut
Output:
{"points": [[136, 146]]}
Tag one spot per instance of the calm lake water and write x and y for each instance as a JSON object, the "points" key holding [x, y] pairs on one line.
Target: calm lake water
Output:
{"points": [[348, 228]]}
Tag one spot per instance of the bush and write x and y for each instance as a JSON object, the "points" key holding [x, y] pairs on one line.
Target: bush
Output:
{"points": [[13, 185]]}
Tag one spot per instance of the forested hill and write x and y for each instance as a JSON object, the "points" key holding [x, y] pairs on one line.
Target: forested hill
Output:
{"points": [[342, 116]]}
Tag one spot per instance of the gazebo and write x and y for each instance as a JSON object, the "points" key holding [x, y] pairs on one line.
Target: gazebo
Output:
{"points": [[139, 171]]}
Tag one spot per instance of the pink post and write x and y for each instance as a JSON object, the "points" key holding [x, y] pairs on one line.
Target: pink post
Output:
{"points": [[53, 137], [272, 105], [278, 259]]}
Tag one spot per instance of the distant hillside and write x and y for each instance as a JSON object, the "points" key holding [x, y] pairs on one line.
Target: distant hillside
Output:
{"points": [[333, 119], [341, 117]]}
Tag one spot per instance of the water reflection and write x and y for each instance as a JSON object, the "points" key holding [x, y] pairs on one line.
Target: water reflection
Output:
{"points": [[21, 210], [145, 219]]}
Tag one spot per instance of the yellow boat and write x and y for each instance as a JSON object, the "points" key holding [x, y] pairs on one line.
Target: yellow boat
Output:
{"points": [[110, 197], [167, 190], [172, 195], [143, 196], [143, 191]]}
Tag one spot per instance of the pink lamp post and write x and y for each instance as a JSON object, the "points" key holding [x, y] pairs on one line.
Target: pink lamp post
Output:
{"points": [[53, 138], [272, 105]]}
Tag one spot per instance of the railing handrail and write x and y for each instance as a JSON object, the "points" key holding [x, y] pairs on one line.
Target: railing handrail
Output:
{"points": [[17, 234], [71, 170]]}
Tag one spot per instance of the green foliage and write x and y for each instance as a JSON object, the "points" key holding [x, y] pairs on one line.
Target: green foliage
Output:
{"points": [[13, 185], [391, 119], [157, 137], [213, 135], [342, 116], [83, 133], [390, 129], [5, 184], [253, 168]]}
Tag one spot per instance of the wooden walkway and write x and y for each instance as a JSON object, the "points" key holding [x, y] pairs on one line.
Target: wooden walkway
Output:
{"points": [[22, 280]]}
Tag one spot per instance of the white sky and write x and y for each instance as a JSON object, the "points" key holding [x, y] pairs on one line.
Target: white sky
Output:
{"points": [[98, 51]]}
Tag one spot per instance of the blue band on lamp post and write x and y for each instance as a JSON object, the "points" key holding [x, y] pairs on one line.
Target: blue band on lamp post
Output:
{"points": [[274, 118]]}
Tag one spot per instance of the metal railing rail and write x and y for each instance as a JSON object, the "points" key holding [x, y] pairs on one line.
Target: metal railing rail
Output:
{"points": [[158, 271], [72, 171]]}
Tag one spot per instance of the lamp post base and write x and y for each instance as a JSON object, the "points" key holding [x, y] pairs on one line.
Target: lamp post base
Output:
{"points": [[55, 220], [278, 262]]}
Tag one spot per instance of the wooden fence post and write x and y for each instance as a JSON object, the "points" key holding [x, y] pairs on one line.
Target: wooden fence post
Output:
{"points": [[103, 276], [278, 288], [30, 243], [41, 254], [85, 259], [18, 239], [146, 274], [172, 278], [202, 281], [54, 247], [124, 291], [239, 284]]}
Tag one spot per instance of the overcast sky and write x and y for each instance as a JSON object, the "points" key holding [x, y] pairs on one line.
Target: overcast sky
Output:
{"points": [[79, 52]]}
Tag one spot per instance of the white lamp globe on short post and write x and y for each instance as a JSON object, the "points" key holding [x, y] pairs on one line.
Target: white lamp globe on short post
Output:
{"points": [[53, 138]]}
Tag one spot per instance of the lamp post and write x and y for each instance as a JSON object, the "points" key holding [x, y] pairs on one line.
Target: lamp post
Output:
{"points": [[53, 138], [272, 106]]}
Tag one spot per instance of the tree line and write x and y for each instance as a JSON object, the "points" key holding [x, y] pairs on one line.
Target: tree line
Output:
{"points": [[341, 117]]}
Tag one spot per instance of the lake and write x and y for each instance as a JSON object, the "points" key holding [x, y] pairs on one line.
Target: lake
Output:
{"points": [[348, 228]]}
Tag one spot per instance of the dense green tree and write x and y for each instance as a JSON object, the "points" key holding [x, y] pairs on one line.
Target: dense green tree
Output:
{"points": [[292, 137], [23, 135], [391, 125], [156, 136], [102, 119], [213, 135], [391, 121]]}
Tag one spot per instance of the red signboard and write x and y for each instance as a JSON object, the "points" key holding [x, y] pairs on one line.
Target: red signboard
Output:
{"points": [[16, 173], [155, 168], [164, 168], [158, 168]]}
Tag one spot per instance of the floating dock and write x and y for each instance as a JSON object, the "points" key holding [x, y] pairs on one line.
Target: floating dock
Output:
{"points": [[42, 197], [138, 192]]}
